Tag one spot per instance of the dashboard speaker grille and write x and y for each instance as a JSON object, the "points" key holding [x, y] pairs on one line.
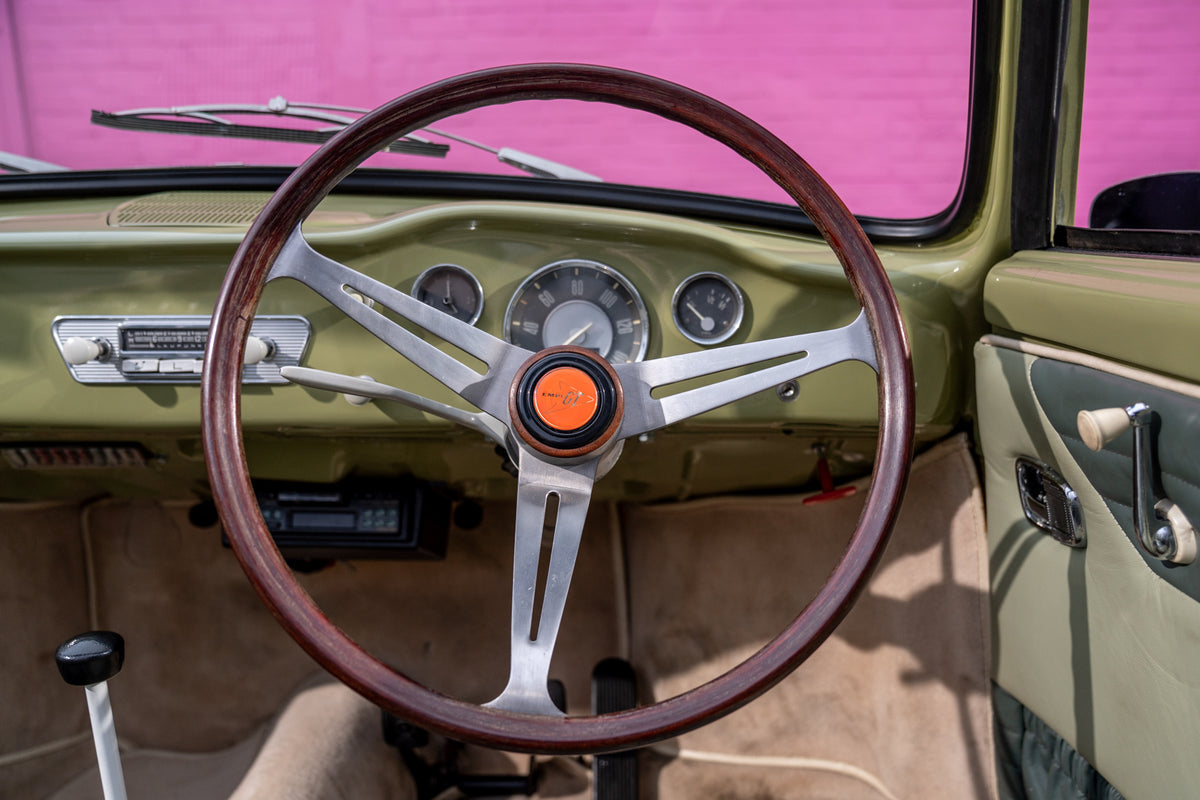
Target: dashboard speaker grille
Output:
{"points": [[206, 209]]}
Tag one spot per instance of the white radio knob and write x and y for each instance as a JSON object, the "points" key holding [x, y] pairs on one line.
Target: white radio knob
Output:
{"points": [[258, 349], [77, 350]]}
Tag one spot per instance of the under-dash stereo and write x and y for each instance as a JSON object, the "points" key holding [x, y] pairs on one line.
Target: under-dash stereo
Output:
{"points": [[170, 349], [363, 518]]}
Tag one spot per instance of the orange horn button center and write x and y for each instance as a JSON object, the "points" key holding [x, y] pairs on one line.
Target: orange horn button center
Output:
{"points": [[565, 398]]}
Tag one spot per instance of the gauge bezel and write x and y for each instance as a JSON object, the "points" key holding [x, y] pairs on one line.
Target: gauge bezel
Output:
{"points": [[626, 284], [474, 283], [738, 297]]}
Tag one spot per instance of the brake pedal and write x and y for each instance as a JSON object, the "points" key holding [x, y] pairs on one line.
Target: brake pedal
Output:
{"points": [[614, 688]]}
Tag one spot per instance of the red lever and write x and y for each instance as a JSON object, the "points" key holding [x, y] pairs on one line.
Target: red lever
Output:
{"points": [[825, 476]]}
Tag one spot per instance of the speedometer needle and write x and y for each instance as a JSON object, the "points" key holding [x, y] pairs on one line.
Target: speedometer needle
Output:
{"points": [[706, 323], [574, 336]]}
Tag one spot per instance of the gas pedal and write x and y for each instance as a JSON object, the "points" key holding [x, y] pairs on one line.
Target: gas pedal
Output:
{"points": [[614, 688]]}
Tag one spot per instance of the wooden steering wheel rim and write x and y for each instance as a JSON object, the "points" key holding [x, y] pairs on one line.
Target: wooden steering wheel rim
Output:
{"points": [[341, 656]]}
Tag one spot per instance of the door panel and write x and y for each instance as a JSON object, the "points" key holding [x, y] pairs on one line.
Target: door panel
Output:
{"points": [[1140, 311], [1101, 642]]}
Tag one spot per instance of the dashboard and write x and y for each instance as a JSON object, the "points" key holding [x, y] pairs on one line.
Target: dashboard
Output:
{"points": [[106, 317]]}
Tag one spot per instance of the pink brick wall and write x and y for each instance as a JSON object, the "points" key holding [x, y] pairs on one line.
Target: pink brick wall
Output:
{"points": [[1141, 100], [891, 143]]}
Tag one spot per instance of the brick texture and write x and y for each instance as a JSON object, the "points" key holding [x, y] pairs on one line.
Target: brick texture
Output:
{"points": [[875, 100], [1141, 98]]}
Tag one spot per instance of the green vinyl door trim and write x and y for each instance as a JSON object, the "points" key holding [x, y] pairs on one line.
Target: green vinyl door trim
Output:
{"points": [[1091, 640]]}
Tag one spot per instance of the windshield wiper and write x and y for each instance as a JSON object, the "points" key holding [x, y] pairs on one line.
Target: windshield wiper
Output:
{"points": [[210, 120], [207, 120]]}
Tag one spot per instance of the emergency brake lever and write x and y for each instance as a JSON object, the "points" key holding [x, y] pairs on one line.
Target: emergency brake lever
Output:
{"points": [[491, 428]]}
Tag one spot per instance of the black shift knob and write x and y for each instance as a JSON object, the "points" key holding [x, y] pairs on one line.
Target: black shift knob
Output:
{"points": [[90, 657]]}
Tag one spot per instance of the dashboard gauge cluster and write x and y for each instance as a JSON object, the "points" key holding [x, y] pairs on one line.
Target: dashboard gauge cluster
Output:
{"points": [[588, 304], [582, 303]]}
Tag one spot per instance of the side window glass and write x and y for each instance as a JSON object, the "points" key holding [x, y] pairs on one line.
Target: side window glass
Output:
{"points": [[1139, 159]]}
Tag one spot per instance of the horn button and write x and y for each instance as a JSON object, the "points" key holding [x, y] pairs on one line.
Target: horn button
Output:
{"points": [[566, 401]]}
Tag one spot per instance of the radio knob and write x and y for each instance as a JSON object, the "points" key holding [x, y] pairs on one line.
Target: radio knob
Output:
{"points": [[77, 350], [258, 350]]}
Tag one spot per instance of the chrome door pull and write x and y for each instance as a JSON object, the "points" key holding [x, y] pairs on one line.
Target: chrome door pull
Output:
{"points": [[1050, 503], [1162, 528]]}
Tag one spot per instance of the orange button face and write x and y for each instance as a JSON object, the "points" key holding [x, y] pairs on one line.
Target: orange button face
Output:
{"points": [[565, 398]]}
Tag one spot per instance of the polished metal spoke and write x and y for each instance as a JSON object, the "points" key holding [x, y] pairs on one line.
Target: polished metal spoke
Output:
{"points": [[815, 351], [530, 654], [335, 282]]}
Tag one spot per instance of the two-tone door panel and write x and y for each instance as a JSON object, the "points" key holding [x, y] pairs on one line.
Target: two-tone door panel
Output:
{"points": [[1095, 581]]}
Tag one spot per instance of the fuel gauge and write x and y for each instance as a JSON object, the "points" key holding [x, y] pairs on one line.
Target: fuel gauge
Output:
{"points": [[450, 288], [708, 308]]}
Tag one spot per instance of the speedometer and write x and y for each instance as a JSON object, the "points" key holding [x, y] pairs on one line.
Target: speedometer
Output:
{"points": [[582, 303]]}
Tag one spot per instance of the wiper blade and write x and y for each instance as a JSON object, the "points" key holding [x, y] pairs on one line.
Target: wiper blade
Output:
{"points": [[11, 162], [209, 120]]}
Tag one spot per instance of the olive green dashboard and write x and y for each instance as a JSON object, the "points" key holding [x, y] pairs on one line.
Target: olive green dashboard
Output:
{"points": [[87, 257]]}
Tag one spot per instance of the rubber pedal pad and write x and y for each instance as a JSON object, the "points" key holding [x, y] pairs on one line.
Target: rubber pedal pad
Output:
{"points": [[614, 688]]}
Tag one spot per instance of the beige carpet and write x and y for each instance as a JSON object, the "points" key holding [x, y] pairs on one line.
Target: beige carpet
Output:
{"points": [[206, 665], [898, 697], [188, 614], [326, 744], [43, 601]]}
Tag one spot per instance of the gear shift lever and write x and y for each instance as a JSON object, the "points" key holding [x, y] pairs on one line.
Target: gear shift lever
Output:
{"points": [[89, 660]]}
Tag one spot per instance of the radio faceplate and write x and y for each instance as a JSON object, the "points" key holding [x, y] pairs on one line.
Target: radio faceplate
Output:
{"points": [[169, 349], [357, 518]]}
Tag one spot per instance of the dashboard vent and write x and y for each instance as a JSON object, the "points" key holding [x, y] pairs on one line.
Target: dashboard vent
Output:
{"points": [[58, 455], [189, 209]]}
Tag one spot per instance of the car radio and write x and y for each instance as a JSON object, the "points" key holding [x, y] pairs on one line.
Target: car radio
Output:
{"points": [[361, 518], [170, 349]]}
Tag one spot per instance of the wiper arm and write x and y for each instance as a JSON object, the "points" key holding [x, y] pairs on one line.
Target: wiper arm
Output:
{"points": [[209, 120], [534, 165]]}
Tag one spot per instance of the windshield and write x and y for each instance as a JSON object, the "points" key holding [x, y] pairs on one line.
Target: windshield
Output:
{"points": [[882, 118]]}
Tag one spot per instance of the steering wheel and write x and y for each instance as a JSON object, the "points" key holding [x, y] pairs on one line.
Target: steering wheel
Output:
{"points": [[566, 412]]}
